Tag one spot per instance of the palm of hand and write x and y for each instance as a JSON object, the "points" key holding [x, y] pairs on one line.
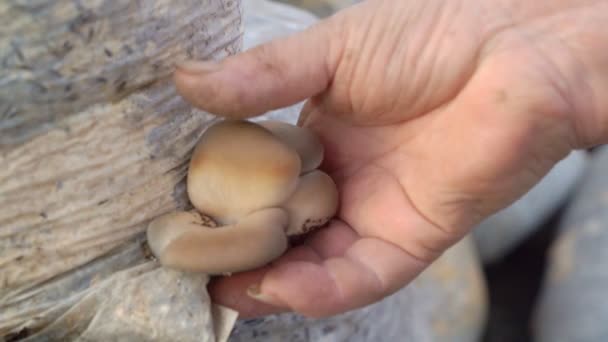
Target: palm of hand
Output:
{"points": [[408, 190]]}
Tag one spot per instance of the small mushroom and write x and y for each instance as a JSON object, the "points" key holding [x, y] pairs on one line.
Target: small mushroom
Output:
{"points": [[300, 139], [260, 182], [180, 241], [239, 167], [313, 204]]}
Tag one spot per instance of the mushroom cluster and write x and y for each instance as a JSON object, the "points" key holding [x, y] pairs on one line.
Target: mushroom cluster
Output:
{"points": [[259, 184]]}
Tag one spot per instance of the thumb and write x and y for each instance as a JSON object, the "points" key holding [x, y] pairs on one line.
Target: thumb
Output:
{"points": [[269, 76]]}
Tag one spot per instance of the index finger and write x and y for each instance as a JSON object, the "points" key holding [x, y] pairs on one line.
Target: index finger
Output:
{"points": [[270, 76]]}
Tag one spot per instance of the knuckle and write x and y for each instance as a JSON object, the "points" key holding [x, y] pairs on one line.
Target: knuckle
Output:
{"points": [[268, 62]]}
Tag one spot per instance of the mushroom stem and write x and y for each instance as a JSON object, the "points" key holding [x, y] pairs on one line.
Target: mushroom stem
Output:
{"points": [[180, 241]]}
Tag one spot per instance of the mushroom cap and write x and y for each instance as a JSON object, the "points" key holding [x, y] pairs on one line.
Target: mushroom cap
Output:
{"points": [[180, 242], [313, 204], [301, 139], [239, 167]]}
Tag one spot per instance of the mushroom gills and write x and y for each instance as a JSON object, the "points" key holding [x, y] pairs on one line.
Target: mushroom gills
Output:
{"points": [[183, 244]]}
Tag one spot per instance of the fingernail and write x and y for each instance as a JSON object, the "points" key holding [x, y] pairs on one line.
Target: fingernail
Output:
{"points": [[255, 291], [198, 67]]}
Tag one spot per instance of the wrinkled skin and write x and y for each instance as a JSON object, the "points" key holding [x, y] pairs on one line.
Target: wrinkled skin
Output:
{"points": [[435, 114]]}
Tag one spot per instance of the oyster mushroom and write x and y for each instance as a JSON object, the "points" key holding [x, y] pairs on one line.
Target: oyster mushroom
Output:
{"points": [[260, 182], [181, 240], [239, 167]]}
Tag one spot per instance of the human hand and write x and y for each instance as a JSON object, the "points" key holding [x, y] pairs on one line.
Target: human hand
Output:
{"points": [[434, 115]]}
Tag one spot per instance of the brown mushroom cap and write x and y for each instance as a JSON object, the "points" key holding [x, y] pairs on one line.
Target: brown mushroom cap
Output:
{"points": [[180, 242], [301, 139], [313, 204], [239, 167]]}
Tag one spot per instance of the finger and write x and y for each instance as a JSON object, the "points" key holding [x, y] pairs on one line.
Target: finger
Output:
{"points": [[332, 241], [270, 76], [396, 244], [369, 270], [231, 291]]}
